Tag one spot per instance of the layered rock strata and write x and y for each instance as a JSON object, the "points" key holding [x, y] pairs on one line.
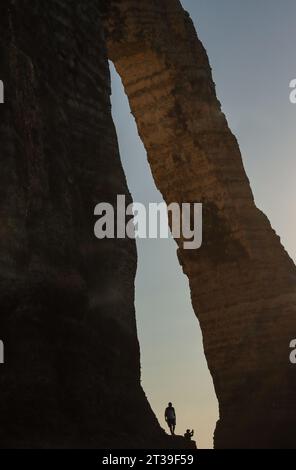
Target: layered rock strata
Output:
{"points": [[242, 281], [71, 376]]}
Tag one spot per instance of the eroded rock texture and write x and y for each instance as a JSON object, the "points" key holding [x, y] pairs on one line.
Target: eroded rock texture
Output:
{"points": [[71, 376], [242, 280]]}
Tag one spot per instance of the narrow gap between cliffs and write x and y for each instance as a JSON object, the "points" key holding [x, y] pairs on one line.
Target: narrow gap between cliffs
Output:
{"points": [[172, 357]]}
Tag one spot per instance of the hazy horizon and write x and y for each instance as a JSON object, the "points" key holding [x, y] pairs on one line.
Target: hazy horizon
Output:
{"points": [[250, 49]]}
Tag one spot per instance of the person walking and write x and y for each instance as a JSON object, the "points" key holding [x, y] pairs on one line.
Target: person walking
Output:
{"points": [[170, 417]]}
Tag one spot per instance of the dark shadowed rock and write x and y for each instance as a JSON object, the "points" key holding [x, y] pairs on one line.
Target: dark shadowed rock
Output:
{"points": [[72, 364]]}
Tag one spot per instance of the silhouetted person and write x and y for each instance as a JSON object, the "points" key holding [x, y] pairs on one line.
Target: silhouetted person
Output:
{"points": [[188, 435], [170, 417]]}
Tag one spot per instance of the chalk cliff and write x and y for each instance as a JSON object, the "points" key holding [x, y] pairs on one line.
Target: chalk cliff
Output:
{"points": [[72, 365], [71, 376], [242, 281]]}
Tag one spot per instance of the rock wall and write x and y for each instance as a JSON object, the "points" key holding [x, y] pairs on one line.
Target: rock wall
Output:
{"points": [[242, 281], [71, 376]]}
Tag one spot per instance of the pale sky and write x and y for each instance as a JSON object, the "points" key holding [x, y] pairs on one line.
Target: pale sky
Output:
{"points": [[251, 50]]}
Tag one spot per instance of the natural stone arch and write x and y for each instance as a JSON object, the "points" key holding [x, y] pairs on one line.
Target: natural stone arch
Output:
{"points": [[71, 351], [242, 281]]}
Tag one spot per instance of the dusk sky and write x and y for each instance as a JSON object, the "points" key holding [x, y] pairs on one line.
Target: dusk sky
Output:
{"points": [[251, 51]]}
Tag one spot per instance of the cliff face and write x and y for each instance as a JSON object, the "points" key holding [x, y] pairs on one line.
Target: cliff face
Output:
{"points": [[72, 372], [71, 376], [242, 280]]}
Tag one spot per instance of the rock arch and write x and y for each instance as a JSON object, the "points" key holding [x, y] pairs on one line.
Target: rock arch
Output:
{"points": [[242, 281], [67, 302]]}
